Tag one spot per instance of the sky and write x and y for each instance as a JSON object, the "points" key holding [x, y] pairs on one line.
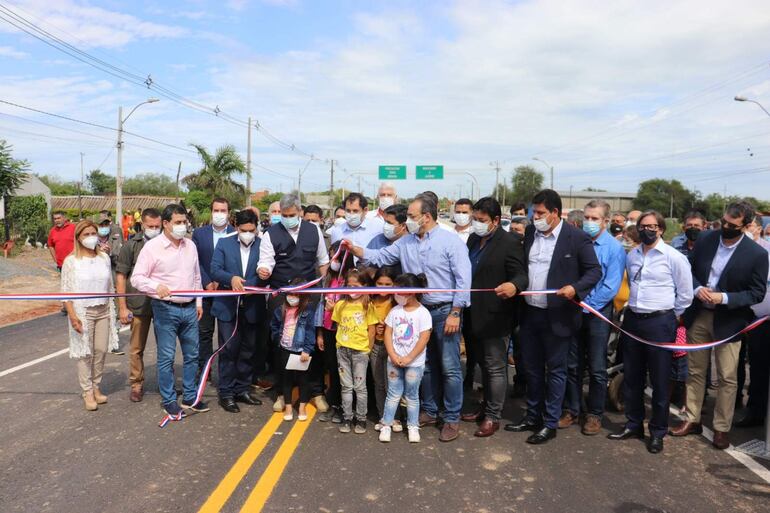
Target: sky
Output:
{"points": [[608, 93]]}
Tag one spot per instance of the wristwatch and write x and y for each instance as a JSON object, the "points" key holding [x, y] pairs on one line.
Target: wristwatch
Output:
{"points": [[454, 313]]}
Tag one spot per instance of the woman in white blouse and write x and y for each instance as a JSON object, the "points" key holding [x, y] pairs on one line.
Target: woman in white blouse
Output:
{"points": [[93, 327]]}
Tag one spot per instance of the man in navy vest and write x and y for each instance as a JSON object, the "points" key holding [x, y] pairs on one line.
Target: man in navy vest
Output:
{"points": [[234, 266], [291, 249], [206, 239]]}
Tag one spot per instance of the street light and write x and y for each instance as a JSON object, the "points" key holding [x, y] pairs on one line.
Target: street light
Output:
{"points": [[119, 173], [548, 165], [744, 99]]}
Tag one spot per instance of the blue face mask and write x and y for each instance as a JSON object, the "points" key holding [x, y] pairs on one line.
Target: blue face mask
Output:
{"points": [[290, 222], [275, 218], [767, 238], [592, 228], [104, 231]]}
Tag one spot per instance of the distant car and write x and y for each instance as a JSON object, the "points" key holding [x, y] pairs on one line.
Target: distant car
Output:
{"points": [[443, 215]]}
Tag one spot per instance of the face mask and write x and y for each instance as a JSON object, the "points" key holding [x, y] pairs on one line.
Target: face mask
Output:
{"points": [[178, 231], [247, 237], [692, 234], [730, 233], [627, 244], [353, 220], [151, 233], [616, 228], [104, 231], [462, 219], [90, 242], [542, 224], [480, 229], [389, 231], [767, 238], [339, 221], [630, 223], [219, 219], [401, 300], [290, 222], [386, 201], [412, 226], [648, 237], [592, 228], [275, 218], [292, 300], [355, 296], [335, 265]]}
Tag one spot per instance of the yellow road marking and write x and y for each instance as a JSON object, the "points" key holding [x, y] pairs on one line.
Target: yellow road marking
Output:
{"points": [[269, 479], [230, 482]]}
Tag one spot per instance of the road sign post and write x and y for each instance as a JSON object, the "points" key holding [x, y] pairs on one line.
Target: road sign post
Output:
{"points": [[392, 173], [430, 172]]}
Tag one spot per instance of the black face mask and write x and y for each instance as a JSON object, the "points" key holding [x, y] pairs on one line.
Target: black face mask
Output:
{"points": [[648, 237], [616, 228], [692, 234], [730, 233]]}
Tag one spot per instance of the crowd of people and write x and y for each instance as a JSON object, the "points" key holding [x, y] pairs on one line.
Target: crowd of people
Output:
{"points": [[396, 358]]}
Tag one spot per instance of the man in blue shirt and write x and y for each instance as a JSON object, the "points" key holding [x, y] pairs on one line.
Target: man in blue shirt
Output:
{"points": [[443, 258], [591, 343]]}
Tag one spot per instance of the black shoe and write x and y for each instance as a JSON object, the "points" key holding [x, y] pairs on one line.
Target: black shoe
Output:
{"points": [[337, 416], [655, 445], [248, 398], [542, 436], [228, 404], [524, 425], [626, 433]]}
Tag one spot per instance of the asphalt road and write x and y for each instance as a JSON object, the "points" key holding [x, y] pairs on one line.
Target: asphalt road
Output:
{"points": [[56, 457]]}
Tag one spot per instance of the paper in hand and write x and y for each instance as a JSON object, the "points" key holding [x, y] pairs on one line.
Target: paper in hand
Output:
{"points": [[296, 364]]}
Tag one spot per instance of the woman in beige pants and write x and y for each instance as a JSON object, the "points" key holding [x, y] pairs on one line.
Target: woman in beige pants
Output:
{"points": [[93, 326]]}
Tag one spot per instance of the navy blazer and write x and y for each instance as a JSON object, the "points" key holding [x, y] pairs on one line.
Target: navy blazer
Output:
{"points": [[573, 263], [744, 280], [226, 264], [203, 238]]}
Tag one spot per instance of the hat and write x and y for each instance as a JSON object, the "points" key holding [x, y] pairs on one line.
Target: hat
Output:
{"points": [[105, 222]]}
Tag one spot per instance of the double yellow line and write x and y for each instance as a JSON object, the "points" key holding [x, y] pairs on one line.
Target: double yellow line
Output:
{"points": [[269, 478]]}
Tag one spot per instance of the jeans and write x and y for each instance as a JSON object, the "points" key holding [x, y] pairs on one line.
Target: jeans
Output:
{"points": [[403, 381], [236, 359], [442, 367], [378, 361], [352, 370], [589, 348], [172, 321], [206, 334]]}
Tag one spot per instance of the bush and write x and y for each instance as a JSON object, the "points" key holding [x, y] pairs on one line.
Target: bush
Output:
{"points": [[29, 217]]}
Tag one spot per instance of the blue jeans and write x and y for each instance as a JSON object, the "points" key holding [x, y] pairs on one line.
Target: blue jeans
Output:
{"points": [[590, 347], [170, 322], [403, 381], [442, 368]]}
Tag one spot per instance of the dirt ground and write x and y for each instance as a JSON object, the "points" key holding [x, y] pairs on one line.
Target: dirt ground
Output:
{"points": [[31, 271]]}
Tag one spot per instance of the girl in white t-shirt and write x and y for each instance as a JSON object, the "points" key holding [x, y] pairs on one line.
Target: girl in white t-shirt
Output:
{"points": [[407, 331]]}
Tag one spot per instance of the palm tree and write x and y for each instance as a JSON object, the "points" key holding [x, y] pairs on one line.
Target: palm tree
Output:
{"points": [[216, 177]]}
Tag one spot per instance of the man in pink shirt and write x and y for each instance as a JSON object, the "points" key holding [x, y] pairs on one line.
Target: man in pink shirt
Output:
{"points": [[168, 263]]}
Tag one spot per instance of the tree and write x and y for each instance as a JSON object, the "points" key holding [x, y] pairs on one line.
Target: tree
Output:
{"points": [[264, 202], [666, 196], [527, 181], [199, 201], [13, 172], [101, 183], [216, 177], [150, 184], [59, 187]]}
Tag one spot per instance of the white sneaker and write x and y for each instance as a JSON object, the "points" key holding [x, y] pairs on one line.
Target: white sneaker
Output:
{"points": [[320, 404], [378, 426], [385, 434], [397, 426], [278, 405], [414, 434]]}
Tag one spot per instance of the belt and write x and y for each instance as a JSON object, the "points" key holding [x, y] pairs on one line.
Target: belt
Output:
{"points": [[650, 315], [172, 303], [437, 306]]}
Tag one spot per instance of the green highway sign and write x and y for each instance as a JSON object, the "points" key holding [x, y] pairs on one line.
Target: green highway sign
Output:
{"points": [[392, 172], [430, 172]]}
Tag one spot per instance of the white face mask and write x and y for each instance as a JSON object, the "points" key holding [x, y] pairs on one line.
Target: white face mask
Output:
{"points": [[219, 219], [292, 300], [462, 219], [480, 229], [178, 231], [389, 231], [355, 296], [247, 237], [401, 300], [541, 224], [386, 201], [90, 242], [335, 265], [412, 225], [353, 220], [151, 233], [338, 221]]}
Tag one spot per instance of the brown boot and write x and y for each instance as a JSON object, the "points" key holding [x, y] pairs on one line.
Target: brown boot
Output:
{"points": [[592, 425], [137, 394], [721, 440], [566, 420], [686, 428], [100, 397], [90, 402]]}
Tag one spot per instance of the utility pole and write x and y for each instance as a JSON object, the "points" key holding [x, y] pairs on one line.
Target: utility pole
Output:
{"points": [[671, 205], [359, 183], [80, 187], [299, 184], [248, 166], [496, 165], [178, 172], [331, 186], [119, 172]]}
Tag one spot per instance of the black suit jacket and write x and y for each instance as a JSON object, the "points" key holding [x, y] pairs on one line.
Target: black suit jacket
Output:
{"points": [[744, 280], [573, 263], [502, 261]]}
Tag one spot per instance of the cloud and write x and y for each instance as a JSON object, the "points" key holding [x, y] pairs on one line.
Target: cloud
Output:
{"points": [[13, 53]]}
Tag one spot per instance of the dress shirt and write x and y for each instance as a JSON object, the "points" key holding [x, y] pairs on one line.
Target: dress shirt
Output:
{"points": [[267, 252], [540, 255], [245, 252], [464, 233], [162, 263], [360, 236], [722, 256], [658, 280], [218, 233], [612, 258], [439, 254], [379, 242], [376, 220]]}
